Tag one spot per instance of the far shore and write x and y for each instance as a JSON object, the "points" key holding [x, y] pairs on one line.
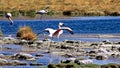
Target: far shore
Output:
{"points": [[46, 17], [37, 17]]}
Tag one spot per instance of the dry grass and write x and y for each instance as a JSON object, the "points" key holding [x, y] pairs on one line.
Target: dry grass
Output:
{"points": [[26, 33], [61, 5]]}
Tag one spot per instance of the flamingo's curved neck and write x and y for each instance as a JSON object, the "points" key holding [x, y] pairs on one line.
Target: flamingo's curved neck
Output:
{"points": [[59, 27], [46, 10]]}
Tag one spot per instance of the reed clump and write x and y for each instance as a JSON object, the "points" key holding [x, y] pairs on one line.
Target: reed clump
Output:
{"points": [[26, 33]]}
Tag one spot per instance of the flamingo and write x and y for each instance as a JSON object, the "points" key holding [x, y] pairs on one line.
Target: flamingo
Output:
{"points": [[42, 12], [59, 31], [8, 16]]}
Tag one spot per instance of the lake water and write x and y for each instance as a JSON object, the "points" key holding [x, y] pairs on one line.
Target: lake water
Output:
{"points": [[80, 26]]}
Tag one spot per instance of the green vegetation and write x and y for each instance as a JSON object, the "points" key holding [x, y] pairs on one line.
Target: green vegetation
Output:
{"points": [[72, 65], [111, 65], [51, 13], [15, 13], [30, 13]]}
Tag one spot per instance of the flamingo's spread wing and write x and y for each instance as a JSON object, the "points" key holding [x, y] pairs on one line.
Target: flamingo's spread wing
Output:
{"points": [[51, 31], [68, 29], [56, 32]]}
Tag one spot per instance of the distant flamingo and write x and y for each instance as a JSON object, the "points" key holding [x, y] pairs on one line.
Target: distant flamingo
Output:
{"points": [[59, 31], [42, 12], [8, 16]]}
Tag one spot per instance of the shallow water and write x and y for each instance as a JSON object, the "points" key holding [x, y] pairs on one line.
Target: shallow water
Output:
{"points": [[80, 25], [47, 58]]}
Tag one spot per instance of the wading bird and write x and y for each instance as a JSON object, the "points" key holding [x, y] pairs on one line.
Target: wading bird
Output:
{"points": [[42, 12], [8, 16], [59, 31]]}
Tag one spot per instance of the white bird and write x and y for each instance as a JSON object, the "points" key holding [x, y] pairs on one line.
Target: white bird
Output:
{"points": [[59, 31], [9, 16], [42, 12]]}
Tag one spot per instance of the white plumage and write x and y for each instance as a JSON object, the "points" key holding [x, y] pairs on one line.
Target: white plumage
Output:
{"points": [[42, 12], [50, 31], [59, 31]]}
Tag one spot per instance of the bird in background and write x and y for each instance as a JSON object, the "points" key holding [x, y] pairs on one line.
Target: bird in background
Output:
{"points": [[9, 16], [42, 12], [59, 31]]}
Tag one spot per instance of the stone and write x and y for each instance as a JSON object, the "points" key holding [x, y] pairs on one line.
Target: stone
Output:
{"points": [[22, 56], [16, 62], [36, 64], [2, 56], [68, 55], [39, 55], [3, 61], [86, 61], [101, 57], [69, 60]]}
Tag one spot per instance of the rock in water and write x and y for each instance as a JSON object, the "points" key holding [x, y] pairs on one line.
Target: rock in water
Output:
{"points": [[23, 56], [26, 33], [3, 61]]}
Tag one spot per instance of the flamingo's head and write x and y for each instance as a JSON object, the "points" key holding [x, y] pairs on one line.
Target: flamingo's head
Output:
{"points": [[61, 24]]}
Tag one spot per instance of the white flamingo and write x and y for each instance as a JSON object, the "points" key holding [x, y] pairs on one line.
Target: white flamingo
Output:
{"points": [[42, 12], [9, 16], [59, 31]]}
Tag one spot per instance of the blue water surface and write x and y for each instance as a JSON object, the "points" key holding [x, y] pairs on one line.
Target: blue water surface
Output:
{"points": [[80, 25]]}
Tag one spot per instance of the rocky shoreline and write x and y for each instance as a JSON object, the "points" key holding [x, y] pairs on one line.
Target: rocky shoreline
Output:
{"points": [[73, 51]]}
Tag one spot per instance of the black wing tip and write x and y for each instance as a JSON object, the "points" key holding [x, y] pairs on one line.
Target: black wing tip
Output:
{"points": [[72, 32]]}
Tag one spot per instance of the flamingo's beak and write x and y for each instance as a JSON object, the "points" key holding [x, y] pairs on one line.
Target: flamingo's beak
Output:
{"points": [[63, 25], [11, 21], [46, 30]]}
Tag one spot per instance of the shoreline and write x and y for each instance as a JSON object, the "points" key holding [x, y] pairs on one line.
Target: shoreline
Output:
{"points": [[88, 36], [79, 37], [37, 17]]}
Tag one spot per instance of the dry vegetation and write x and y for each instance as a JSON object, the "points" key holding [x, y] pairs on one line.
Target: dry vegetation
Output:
{"points": [[62, 5], [26, 33], [112, 5]]}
